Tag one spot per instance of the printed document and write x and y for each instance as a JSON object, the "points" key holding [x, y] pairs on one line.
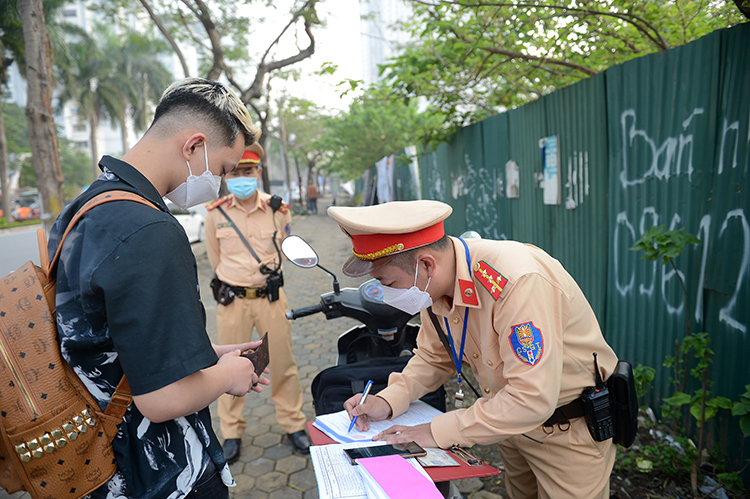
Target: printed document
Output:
{"points": [[336, 476], [336, 425]]}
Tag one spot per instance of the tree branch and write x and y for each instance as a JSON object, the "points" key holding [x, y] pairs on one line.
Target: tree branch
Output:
{"points": [[255, 90], [204, 16], [165, 32], [647, 29]]}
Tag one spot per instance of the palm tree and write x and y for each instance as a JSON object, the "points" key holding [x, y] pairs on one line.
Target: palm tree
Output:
{"points": [[88, 84], [141, 76], [113, 77]]}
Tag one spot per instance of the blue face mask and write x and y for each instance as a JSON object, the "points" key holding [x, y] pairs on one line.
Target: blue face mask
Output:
{"points": [[242, 187]]}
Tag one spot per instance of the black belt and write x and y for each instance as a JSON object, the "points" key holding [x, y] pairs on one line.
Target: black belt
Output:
{"points": [[566, 413], [243, 292]]}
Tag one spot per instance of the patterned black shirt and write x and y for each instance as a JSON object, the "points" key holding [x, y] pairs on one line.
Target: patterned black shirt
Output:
{"points": [[128, 302]]}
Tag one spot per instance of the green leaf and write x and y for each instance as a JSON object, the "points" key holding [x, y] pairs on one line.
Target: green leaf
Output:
{"points": [[678, 399]]}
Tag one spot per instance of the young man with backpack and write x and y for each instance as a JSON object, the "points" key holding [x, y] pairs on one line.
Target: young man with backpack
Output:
{"points": [[128, 300]]}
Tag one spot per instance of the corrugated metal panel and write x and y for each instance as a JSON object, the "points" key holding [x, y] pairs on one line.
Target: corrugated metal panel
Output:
{"points": [[531, 219], [661, 113], [725, 226], [577, 116], [675, 151], [496, 155], [405, 187]]}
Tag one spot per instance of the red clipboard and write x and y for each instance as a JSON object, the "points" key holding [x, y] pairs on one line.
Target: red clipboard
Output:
{"points": [[437, 473]]}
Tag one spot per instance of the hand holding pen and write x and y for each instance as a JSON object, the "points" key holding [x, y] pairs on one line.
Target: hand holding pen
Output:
{"points": [[361, 401]]}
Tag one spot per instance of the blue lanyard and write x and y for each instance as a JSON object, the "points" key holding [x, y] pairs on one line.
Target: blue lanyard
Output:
{"points": [[457, 359]]}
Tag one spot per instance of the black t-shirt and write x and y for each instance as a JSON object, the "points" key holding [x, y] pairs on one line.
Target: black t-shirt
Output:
{"points": [[128, 301]]}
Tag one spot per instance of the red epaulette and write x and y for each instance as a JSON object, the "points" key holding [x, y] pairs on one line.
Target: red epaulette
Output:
{"points": [[214, 204], [284, 208]]}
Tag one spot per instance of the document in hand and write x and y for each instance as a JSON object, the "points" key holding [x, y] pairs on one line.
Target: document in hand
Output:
{"points": [[396, 479], [336, 425]]}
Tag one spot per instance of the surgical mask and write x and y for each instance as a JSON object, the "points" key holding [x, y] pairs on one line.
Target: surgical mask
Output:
{"points": [[412, 300], [196, 190], [242, 187]]}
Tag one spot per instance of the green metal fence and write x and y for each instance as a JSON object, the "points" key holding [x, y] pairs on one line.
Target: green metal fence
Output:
{"points": [[663, 139]]}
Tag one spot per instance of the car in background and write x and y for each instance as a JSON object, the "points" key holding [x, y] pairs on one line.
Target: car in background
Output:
{"points": [[192, 221]]}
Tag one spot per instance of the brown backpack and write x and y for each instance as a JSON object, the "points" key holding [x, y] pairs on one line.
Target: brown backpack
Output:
{"points": [[56, 442]]}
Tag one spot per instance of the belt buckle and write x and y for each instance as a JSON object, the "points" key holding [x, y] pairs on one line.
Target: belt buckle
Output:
{"points": [[251, 293]]}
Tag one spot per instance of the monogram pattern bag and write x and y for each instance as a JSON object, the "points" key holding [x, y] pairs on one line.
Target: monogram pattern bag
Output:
{"points": [[56, 442]]}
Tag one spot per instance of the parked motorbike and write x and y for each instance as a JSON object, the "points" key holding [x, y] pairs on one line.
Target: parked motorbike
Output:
{"points": [[379, 346], [385, 331]]}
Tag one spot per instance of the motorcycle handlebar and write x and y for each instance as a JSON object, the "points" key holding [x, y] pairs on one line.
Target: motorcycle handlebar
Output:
{"points": [[304, 311]]}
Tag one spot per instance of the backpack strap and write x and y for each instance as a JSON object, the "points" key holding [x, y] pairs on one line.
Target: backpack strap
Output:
{"points": [[102, 198], [122, 398]]}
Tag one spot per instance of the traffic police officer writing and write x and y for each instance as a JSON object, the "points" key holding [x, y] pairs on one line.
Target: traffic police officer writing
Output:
{"points": [[516, 317], [244, 231]]}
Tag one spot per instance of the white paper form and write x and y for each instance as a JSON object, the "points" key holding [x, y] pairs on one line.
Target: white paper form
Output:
{"points": [[336, 476], [336, 425]]}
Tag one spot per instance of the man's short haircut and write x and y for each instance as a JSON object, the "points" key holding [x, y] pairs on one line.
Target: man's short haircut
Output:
{"points": [[225, 114], [408, 259]]}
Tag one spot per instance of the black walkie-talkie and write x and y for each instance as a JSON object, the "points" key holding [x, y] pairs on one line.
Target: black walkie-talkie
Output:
{"points": [[597, 406]]}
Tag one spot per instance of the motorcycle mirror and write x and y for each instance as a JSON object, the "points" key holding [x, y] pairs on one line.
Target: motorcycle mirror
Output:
{"points": [[470, 234], [299, 252]]}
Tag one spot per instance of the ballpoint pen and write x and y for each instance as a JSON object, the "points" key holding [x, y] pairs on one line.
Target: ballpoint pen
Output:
{"points": [[361, 401]]}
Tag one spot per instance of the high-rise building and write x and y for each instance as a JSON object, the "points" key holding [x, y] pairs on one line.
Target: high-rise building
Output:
{"points": [[381, 37]]}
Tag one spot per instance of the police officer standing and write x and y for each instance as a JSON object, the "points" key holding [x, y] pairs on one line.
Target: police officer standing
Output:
{"points": [[244, 231], [521, 322]]}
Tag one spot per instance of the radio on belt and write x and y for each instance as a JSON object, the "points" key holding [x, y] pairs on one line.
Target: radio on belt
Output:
{"points": [[597, 406]]}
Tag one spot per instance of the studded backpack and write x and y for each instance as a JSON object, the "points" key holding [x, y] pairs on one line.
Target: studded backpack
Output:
{"points": [[56, 442]]}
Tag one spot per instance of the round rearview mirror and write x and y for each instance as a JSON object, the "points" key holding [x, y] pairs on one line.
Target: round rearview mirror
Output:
{"points": [[299, 252], [470, 234]]}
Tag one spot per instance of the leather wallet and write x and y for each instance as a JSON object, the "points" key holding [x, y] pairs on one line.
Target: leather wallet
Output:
{"points": [[259, 356]]}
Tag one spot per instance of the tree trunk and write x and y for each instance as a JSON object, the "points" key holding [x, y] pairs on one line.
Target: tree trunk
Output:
{"points": [[124, 134], [284, 156], [4, 179], [42, 136], [302, 197], [93, 124]]}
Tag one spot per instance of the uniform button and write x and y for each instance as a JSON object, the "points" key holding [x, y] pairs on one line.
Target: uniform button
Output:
{"points": [[476, 356], [456, 320], [489, 362], [486, 390]]}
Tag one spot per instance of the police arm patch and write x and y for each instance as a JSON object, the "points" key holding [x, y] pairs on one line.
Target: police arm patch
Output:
{"points": [[527, 343]]}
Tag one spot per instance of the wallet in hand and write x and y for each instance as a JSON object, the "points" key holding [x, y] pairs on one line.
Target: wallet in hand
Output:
{"points": [[259, 356]]}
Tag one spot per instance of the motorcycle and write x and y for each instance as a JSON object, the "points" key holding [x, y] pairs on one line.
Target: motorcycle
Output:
{"points": [[380, 345], [385, 331]]}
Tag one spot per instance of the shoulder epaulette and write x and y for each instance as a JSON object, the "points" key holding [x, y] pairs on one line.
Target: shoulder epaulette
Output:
{"points": [[214, 204], [284, 208]]}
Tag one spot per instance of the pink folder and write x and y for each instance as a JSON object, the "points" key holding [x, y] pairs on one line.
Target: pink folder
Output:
{"points": [[398, 478]]}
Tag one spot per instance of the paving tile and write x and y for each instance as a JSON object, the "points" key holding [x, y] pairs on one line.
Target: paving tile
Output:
{"points": [[258, 467], [267, 440], [291, 464], [271, 481], [304, 479]]}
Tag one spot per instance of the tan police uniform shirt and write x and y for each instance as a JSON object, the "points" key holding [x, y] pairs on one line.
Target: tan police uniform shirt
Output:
{"points": [[229, 257], [530, 348]]}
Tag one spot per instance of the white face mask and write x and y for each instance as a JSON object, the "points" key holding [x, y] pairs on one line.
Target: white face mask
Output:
{"points": [[196, 190], [412, 300]]}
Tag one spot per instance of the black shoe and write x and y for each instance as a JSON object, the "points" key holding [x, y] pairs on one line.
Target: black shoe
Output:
{"points": [[300, 441], [232, 450]]}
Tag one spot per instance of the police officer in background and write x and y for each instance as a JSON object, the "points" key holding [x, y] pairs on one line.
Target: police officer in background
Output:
{"points": [[516, 317], [248, 288]]}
